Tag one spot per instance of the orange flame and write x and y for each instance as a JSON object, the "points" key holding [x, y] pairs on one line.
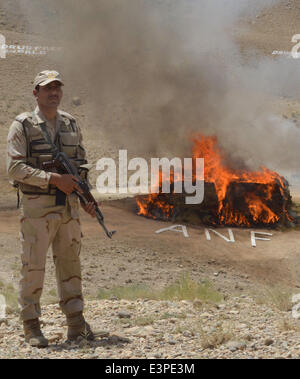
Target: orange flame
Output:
{"points": [[222, 176], [154, 199], [215, 171]]}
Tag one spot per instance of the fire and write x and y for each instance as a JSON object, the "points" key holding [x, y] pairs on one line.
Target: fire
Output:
{"points": [[154, 199], [256, 206], [222, 176]]}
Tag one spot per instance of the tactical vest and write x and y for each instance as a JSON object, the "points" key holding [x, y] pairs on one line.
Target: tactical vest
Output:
{"points": [[39, 151]]}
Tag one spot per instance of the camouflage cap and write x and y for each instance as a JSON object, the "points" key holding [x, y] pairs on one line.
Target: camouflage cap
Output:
{"points": [[46, 77]]}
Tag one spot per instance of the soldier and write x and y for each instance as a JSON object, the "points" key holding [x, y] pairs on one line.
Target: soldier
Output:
{"points": [[46, 218]]}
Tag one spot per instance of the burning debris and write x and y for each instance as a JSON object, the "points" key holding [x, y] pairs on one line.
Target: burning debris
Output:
{"points": [[231, 197]]}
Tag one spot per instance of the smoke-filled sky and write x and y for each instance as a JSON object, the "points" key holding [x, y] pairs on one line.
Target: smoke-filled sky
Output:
{"points": [[159, 70]]}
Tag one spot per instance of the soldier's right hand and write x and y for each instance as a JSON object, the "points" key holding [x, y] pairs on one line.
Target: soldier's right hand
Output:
{"points": [[66, 183]]}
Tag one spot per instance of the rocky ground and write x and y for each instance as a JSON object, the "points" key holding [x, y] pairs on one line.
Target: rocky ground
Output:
{"points": [[146, 329], [246, 312]]}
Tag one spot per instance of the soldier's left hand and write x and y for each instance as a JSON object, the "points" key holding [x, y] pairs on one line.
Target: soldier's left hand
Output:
{"points": [[90, 209]]}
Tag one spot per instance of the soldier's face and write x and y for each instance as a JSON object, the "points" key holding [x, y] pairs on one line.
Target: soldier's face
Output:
{"points": [[49, 95]]}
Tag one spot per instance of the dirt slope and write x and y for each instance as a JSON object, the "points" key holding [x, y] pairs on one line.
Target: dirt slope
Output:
{"points": [[136, 247]]}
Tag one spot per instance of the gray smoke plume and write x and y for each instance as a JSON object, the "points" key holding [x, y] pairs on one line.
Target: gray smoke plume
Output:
{"points": [[158, 71]]}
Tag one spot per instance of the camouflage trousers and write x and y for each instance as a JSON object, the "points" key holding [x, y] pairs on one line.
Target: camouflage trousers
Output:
{"points": [[64, 234]]}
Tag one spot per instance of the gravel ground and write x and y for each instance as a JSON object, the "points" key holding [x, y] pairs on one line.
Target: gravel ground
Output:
{"points": [[236, 328]]}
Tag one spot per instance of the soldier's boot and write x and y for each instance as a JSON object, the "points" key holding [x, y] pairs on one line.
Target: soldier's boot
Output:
{"points": [[33, 334], [78, 327]]}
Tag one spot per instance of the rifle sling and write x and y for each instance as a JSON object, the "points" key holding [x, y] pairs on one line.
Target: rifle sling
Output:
{"points": [[60, 196]]}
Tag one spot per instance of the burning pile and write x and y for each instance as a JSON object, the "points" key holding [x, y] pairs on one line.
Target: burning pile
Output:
{"points": [[231, 197]]}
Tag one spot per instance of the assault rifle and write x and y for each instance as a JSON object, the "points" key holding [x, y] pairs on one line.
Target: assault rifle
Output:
{"points": [[63, 165]]}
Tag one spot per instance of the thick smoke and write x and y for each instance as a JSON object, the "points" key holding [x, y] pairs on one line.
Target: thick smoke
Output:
{"points": [[158, 71]]}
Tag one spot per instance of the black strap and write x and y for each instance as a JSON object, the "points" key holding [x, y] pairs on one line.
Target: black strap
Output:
{"points": [[16, 186], [18, 197], [47, 136], [60, 196]]}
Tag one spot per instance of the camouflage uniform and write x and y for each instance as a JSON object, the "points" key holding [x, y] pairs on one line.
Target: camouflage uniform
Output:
{"points": [[43, 223]]}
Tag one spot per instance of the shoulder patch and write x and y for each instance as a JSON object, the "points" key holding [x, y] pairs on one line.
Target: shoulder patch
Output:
{"points": [[67, 115], [23, 116]]}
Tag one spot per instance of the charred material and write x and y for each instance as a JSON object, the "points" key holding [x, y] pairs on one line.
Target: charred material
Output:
{"points": [[172, 207], [245, 204]]}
